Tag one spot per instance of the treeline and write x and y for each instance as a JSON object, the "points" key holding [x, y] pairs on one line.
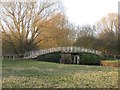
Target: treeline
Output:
{"points": [[43, 24], [102, 36]]}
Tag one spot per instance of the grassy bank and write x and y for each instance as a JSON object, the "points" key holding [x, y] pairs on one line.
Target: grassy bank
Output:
{"points": [[36, 74]]}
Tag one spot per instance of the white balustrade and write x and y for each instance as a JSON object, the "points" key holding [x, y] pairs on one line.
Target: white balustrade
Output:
{"points": [[33, 54]]}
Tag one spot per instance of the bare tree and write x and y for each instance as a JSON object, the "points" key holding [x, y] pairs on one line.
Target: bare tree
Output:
{"points": [[22, 22], [86, 36], [108, 33]]}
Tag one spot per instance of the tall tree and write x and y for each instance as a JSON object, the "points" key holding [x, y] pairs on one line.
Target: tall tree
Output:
{"points": [[108, 28], [19, 22], [86, 36], [58, 31]]}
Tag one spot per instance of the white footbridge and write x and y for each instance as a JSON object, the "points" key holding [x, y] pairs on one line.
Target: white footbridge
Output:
{"points": [[36, 53]]}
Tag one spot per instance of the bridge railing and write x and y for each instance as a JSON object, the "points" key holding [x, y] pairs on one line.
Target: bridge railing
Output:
{"points": [[36, 53]]}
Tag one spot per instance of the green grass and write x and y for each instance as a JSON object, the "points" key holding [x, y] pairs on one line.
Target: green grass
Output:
{"points": [[36, 74]]}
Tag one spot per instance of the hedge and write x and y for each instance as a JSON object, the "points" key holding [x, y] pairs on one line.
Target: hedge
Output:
{"points": [[51, 57], [89, 59], [85, 58]]}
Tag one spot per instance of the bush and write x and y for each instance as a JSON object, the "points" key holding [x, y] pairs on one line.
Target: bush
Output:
{"points": [[85, 58], [51, 57], [108, 57], [89, 59]]}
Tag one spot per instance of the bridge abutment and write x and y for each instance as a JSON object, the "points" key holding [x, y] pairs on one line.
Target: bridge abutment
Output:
{"points": [[70, 58]]}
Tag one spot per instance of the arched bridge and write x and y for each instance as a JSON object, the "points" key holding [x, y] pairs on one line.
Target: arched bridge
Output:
{"points": [[34, 54]]}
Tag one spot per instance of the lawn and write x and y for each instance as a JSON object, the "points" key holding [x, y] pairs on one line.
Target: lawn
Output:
{"points": [[36, 74]]}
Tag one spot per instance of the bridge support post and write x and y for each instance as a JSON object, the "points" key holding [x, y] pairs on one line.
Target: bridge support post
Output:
{"points": [[74, 59], [78, 59]]}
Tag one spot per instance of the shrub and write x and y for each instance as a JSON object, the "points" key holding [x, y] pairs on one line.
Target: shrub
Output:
{"points": [[110, 57], [51, 57], [89, 59], [85, 58]]}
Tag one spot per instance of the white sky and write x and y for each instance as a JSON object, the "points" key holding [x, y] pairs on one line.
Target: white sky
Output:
{"points": [[82, 12]]}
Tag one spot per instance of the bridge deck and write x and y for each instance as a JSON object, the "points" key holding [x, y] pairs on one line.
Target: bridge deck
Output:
{"points": [[34, 54]]}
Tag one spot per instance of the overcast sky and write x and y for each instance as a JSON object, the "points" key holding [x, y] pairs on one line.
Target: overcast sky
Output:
{"points": [[82, 12]]}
